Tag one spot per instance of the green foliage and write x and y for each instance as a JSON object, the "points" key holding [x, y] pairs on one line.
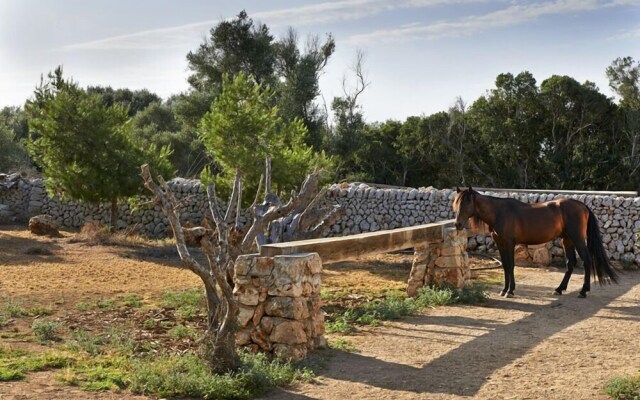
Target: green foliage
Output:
{"points": [[132, 300], [623, 388], [343, 344], [98, 374], [86, 149], [395, 306], [14, 153], [181, 332], [243, 128], [44, 330], [189, 376], [186, 303], [15, 364]]}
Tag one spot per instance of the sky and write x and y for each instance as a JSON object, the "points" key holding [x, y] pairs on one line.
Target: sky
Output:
{"points": [[420, 55]]}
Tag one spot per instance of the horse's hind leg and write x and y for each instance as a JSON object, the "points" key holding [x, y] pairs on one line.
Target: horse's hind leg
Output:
{"points": [[505, 267], [508, 258], [570, 254], [581, 247]]}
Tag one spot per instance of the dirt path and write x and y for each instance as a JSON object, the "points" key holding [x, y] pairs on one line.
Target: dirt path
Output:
{"points": [[535, 346]]}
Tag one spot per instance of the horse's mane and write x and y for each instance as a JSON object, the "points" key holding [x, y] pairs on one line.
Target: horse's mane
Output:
{"points": [[477, 225]]}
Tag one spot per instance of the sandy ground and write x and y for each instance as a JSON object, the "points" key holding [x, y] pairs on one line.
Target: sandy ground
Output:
{"points": [[534, 346]]}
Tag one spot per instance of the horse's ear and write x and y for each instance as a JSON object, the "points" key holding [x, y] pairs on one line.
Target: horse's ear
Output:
{"points": [[470, 189], [457, 189]]}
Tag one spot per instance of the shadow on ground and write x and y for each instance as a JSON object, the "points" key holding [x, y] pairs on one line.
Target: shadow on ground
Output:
{"points": [[454, 373]]}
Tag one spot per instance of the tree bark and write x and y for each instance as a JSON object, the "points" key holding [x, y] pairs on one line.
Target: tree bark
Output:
{"points": [[114, 215]]}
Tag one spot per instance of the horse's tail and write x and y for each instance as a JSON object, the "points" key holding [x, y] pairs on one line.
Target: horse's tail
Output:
{"points": [[600, 266]]}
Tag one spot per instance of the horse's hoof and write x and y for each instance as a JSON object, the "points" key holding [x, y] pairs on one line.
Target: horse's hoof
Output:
{"points": [[510, 295], [557, 293], [582, 295], [503, 293]]}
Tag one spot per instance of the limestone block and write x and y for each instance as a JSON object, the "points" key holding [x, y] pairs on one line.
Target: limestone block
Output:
{"points": [[247, 295], [456, 261], [287, 332], [243, 337], [243, 264], [245, 314], [43, 225], [287, 307], [263, 266]]}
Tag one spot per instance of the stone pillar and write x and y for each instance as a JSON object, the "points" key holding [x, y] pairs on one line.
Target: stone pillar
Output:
{"points": [[452, 267], [435, 264], [424, 259], [280, 304]]}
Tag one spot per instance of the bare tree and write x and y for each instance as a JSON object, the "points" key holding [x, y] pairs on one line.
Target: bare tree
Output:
{"points": [[223, 239]]}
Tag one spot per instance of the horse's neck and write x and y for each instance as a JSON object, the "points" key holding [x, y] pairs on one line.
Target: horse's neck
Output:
{"points": [[486, 209]]}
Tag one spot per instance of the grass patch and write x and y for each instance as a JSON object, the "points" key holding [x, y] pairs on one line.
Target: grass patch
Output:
{"points": [[343, 344], [181, 332], [186, 303], [132, 300], [97, 374], [15, 363], [395, 306], [106, 304], [188, 376], [623, 388], [13, 309], [44, 330]]}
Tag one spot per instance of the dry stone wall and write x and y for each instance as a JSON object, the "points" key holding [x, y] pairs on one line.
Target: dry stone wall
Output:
{"points": [[367, 209], [280, 305]]}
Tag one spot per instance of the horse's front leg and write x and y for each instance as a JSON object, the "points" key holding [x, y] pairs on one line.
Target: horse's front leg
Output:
{"points": [[507, 252], [509, 267]]}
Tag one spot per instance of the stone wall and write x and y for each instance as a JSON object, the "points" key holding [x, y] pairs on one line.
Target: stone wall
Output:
{"points": [[367, 209], [280, 304]]}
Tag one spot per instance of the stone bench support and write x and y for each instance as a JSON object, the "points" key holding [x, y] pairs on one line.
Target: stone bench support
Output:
{"points": [[280, 304], [445, 262]]}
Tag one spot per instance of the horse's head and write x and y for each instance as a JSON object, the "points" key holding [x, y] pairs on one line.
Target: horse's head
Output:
{"points": [[464, 206]]}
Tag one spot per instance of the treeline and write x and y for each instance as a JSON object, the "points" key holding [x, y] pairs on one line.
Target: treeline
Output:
{"points": [[559, 133]]}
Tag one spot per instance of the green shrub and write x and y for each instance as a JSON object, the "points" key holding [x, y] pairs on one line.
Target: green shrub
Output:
{"points": [[395, 306], [181, 332], [132, 300], [44, 330], [623, 388], [188, 376]]}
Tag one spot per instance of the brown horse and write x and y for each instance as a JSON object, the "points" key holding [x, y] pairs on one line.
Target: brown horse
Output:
{"points": [[513, 222]]}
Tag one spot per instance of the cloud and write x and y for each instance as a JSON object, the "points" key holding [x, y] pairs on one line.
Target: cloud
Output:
{"points": [[331, 11], [633, 33], [516, 14]]}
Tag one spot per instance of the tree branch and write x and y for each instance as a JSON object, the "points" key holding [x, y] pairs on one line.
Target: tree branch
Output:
{"points": [[167, 202]]}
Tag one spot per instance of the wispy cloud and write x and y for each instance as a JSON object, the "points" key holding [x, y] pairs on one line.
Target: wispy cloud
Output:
{"points": [[515, 14], [633, 33], [332, 11]]}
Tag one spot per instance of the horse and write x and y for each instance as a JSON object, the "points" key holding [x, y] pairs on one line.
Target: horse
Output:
{"points": [[513, 222]]}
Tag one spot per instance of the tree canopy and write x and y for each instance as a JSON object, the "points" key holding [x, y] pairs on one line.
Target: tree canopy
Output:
{"points": [[84, 147]]}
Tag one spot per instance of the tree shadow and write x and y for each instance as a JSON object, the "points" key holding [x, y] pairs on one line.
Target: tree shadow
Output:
{"points": [[396, 270], [455, 372], [21, 251], [166, 255]]}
